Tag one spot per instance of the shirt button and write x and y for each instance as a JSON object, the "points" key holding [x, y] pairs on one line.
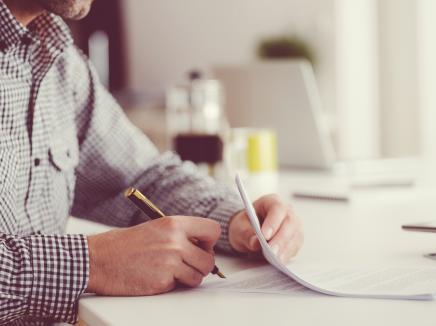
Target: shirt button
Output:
{"points": [[37, 162]]}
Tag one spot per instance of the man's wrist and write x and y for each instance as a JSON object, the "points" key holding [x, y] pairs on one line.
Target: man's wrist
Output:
{"points": [[224, 214], [95, 251], [231, 231], [92, 279]]}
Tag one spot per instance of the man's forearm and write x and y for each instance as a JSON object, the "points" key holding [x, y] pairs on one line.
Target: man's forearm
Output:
{"points": [[176, 187]]}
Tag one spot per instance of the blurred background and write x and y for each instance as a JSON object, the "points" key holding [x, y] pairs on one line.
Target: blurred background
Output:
{"points": [[374, 60]]}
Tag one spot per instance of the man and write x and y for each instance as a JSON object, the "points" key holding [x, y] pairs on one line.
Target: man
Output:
{"points": [[66, 148]]}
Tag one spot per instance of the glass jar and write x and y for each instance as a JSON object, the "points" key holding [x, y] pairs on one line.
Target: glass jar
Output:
{"points": [[196, 121]]}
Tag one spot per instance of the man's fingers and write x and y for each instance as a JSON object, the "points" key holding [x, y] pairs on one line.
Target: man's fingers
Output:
{"points": [[253, 243], [292, 247], [198, 258], [283, 237], [274, 218], [187, 275], [272, 211], [288, 241], [203, 229], [247, 240]]}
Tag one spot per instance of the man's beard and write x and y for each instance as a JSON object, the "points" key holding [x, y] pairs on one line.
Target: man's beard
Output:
{"points": [[68, 9]]}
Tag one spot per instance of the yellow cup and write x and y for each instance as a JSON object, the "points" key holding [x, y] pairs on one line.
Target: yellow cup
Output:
{"points": [[262, 151]]}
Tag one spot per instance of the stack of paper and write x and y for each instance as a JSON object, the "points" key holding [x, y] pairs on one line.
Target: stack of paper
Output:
{"points": [[376, 282]]}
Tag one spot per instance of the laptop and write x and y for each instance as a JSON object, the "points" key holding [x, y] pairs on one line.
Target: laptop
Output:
{"points": [[283, 96]]}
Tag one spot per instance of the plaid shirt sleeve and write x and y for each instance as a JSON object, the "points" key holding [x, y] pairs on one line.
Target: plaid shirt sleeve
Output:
{"points": [[115, 155], [41, 277]]}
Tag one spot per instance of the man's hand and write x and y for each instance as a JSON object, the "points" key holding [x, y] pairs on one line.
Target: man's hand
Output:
{"points": [[152, 257], [280, 227]]}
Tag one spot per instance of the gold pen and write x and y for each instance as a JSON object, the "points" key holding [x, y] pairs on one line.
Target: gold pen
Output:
{"points": [[145, 205]]}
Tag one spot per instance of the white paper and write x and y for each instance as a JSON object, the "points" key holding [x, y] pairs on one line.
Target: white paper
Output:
{"points": [[364, 283], [376, 282], [265, 279]]}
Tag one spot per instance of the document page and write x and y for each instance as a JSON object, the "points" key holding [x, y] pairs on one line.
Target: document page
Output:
{"points": [[265, 279], [376, 282], [401, 282]]}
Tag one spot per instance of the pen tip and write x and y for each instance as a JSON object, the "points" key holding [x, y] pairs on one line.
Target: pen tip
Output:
{"points": [[216, 271]]}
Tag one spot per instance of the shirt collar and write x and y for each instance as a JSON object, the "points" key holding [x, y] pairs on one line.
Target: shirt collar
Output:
{"points": [[48, 29]]}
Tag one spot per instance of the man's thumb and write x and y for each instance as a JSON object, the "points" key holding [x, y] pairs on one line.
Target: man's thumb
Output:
{"points": [[250, 240]]}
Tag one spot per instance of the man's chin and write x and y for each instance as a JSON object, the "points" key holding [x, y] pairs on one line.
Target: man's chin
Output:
{"points": [[78, 15], [67, 9]]}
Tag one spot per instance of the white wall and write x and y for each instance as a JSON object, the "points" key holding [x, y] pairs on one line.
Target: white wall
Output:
{"points": [[357, 79], [168, 37], [373, 63], [426, 12], [399, 105]]}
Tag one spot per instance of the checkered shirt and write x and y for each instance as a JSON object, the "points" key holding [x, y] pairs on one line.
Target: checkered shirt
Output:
{"points": [[67, 148]]}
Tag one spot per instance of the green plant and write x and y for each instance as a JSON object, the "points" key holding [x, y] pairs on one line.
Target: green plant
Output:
{"points": [[285, 47]]}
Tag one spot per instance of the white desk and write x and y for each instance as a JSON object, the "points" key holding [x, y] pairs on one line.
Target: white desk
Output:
{"points": [[366, 230]]}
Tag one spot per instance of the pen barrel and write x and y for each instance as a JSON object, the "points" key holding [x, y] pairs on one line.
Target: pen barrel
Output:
{"points": [[144, 207]]}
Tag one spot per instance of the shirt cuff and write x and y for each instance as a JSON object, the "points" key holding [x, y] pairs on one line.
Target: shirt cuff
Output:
{"points": [[223, 213], [60, 265]]}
